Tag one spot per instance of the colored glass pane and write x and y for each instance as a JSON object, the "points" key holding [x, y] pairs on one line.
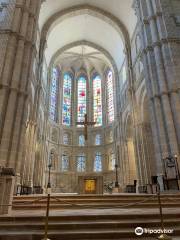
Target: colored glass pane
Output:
{"points": [[66, 139], [110, 97], [67, 87], [81, 163], [53, 98], [98, 162], [97, 100], [65, 162], [81, 98], [81, 140], [98, 139]]}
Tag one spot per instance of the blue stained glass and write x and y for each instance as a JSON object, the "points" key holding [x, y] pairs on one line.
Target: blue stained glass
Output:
{"points": [[67, 88], [81, 140], [97, 101], [81, 163], [65, 162], [98, 163], [53, 96], [66, 139], [110, 97], [98, 139]]}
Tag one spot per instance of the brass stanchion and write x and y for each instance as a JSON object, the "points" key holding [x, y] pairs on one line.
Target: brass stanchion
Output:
{"points": [[47, 217], [48, 202], [162, 236]]}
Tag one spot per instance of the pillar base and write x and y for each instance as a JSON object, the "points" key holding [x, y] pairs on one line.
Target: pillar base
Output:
{"points": [[142, 189], [116, 190], [6, 194], [26, 190], [149, 189], [37, 190]]}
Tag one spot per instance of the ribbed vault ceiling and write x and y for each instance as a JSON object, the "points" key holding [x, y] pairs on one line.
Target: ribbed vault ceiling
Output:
{"points": [[83, 57], [87, 27]]}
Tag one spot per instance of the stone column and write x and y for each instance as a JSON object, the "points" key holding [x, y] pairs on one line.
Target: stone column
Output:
{"points": [[7, 180], [161, 84], [15, 78]]}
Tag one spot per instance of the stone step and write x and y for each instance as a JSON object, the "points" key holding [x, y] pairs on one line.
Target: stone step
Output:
{"points": [[61, 217], [80, 234], [12, 226], [99, 206], [89, 217], [98, 201], [98, 197], [61, 200]]}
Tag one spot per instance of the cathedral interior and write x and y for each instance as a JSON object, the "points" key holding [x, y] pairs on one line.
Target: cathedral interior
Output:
{"points": [[90, 96], [78, 59]]}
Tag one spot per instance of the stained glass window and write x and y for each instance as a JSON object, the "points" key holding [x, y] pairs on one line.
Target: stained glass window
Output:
{"points": [[53, 99], [98, 139], [110, 97], [67, 88], [98, 162], [65, 162], [81, 140], [81, 163], [97, 100], [112, 161], [66, 139], [81, 98]]}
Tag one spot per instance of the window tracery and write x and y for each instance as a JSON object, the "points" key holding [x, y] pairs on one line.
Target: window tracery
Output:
{"points": [[97, 100], [98, 139], [67, 89], [110, 97], [81, 140], [98, 162], [66, 138], [82, 90], [81, 163], [53, 95], [65, 162]]}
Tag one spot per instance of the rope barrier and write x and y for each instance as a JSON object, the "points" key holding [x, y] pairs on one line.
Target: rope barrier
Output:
{"points": [[84, 205], [88, 205]]}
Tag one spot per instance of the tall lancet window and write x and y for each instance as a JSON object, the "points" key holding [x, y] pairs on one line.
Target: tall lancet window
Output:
{"points": [[97, 100], [81, 140], [98, 162], [67, 89], [53, 95], [81, 163], [81, 98], [65, 162], [110, 97]]}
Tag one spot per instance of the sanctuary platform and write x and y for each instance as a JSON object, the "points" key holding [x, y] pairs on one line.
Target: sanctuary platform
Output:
{"points": [[90, 217]]}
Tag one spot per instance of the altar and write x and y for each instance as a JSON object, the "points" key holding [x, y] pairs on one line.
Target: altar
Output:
{"points": [[90, 184]]}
